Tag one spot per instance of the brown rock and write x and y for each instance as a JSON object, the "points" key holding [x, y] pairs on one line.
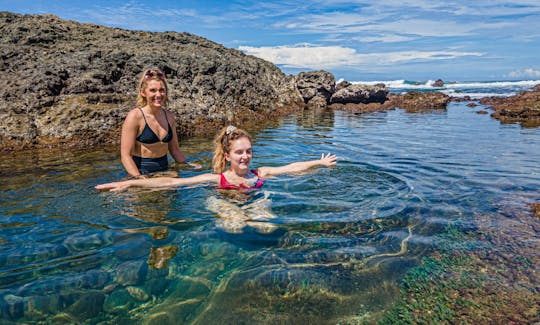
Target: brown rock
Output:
{"points": [[418, 102], [522, 108]]}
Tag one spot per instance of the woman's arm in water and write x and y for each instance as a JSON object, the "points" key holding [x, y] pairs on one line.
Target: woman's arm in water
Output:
{"points": [[326, 160], [159, 182]]}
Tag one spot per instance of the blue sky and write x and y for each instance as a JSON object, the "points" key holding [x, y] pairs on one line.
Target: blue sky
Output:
{"points": [[355, 40]]}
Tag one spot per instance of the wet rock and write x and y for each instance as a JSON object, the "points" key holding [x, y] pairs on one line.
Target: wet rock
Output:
{"points": [[316, 87], [358, 93], [160, 256], [138, 294], [119, 299], [472, 104], [157, 286], [415, 101], [89, 305], [46, 304], [438, 83], [342, 84], [84, 242], [482, 112], [14, 306], [523, 108], [131, 273], [536, 209], [137, 246]]}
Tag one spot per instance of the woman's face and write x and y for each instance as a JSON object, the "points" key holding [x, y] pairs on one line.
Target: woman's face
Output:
{"points": [[240, 154], [155, 93]]}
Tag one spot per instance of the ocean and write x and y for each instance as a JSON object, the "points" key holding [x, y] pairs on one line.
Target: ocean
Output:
{"points": [[473, 89]]}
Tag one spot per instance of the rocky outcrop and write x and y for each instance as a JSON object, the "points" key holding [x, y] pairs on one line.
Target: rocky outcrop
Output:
{"points": [[416, 101], [523, 108], [316, 87], [438, 83], [72, 83], [359, 93]]}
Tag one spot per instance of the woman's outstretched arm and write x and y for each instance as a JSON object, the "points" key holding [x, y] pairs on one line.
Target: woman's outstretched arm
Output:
{"points": [[159, 182], [326, 160]]}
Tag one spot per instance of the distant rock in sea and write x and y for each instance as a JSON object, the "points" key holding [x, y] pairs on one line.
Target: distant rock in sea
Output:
{"points": [[438, 83]]}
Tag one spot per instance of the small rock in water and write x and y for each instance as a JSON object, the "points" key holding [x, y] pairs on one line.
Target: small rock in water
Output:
{"points": [[138, 293], [160, 256], [15, 306], [89, 305], [130, 273]]}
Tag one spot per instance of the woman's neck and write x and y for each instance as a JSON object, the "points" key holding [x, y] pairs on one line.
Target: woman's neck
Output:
{"points": [[243, 173], [153, 110]]}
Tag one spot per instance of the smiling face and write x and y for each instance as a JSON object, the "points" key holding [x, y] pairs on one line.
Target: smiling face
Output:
{"points": [[155, 93], [239, 155]]}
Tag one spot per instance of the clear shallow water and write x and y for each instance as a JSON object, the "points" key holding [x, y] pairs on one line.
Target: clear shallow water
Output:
{"points": [[333, 245]]}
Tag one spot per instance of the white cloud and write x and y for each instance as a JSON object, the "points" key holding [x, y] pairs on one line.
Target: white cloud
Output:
{"points": [[525, 73], [304, 56], [328, 57], [383, 38]]}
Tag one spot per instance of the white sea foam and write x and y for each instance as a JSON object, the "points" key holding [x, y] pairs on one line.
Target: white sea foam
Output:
{"points": [[473, 89]]}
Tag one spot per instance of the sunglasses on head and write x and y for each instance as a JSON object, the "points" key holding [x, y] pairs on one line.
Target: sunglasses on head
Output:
{"points": [[154, 74]]}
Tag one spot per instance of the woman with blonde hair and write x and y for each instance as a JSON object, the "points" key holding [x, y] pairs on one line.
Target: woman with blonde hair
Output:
{"points": [[149, 130]]}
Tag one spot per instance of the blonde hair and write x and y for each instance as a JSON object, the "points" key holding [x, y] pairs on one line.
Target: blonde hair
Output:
{"points": [[222, 144], [146, 76]]}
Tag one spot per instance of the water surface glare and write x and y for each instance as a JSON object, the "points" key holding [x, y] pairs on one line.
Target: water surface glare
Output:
{"points": [[325, 246]]}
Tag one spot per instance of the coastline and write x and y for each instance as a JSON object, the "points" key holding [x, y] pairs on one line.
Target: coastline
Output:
{"points": [[81, 97]]}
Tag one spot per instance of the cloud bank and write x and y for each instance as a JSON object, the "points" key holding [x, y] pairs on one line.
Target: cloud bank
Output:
{"points": [[328, 57]]}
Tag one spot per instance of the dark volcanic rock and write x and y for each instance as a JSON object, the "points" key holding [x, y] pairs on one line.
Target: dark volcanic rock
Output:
{"points": [[74, 83], [438, 83], [358, 93], [522, 108], [316, 87]]}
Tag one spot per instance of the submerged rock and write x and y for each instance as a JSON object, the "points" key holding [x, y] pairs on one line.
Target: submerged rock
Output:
{"points": [[138, 293], [89, 305], [131, 273]]}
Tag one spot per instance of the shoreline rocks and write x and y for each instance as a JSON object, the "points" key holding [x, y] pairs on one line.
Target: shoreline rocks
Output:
{"points": [[523, 108]]}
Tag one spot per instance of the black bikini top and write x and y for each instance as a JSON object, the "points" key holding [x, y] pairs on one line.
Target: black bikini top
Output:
{"points": [[148, 136]]}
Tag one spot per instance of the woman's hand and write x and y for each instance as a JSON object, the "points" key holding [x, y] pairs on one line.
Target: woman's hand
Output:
{"points": [[328, 159]]}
